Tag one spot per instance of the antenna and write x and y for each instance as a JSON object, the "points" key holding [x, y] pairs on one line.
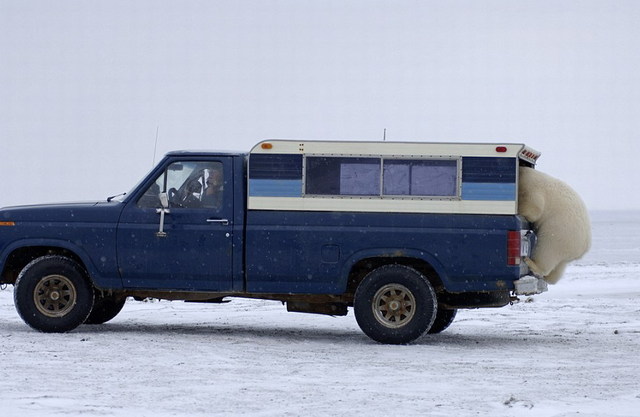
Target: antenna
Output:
{"points": [[384, 135], [155, 147]]}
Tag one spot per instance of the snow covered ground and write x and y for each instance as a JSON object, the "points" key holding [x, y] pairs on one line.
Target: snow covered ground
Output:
{"points": [[574, 350]]}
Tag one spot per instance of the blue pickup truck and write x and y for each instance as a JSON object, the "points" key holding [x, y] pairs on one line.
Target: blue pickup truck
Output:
{"points": [[404, 233]]}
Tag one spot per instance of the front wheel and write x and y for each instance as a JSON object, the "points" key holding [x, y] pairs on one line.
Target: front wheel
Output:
{"points": [[395, 304], [53, 294]]}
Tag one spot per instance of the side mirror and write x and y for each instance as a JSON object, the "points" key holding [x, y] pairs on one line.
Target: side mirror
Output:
{"points": [[164, 200]]}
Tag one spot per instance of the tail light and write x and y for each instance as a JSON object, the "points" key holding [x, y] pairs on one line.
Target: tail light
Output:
{"points": [[513, 247]]}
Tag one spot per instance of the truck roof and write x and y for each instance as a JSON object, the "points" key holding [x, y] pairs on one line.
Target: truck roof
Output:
{"points": [[205, 153]]}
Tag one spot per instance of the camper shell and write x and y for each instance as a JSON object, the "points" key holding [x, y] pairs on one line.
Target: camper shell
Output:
{"points": [[457, 178]]}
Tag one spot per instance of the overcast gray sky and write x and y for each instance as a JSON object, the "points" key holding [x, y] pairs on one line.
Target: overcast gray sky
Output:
{"points": [[85, 84]]}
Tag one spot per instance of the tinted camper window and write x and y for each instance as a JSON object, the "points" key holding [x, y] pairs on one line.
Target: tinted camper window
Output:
{"points": [[420, 177], [342, 176]]}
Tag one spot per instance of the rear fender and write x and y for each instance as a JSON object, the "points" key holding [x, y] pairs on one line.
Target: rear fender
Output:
{"points": [[390, 253]]}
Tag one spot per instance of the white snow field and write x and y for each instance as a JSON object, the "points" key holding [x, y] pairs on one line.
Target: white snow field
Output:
{"points": [[574, 350]]}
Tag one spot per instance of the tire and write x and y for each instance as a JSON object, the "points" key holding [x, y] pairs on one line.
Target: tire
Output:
{"points": [[444, 318], [395, 304], [53, 294], [105, 308]]}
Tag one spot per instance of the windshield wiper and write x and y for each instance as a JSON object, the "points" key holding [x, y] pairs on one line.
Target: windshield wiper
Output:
{"points": [[114, 196]]}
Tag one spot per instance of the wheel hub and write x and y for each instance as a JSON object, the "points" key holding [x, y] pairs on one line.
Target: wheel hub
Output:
{"points": [[393, 305], [54, 295]]}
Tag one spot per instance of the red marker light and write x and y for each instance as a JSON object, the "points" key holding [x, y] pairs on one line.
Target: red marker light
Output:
{"points": [[501, 148]]}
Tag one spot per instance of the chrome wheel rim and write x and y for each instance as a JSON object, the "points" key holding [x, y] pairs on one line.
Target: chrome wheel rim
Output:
{"points": [[393, 305], [54, 296]]}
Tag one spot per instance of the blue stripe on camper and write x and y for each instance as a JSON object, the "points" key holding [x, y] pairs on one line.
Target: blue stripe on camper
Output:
{"points": [[275, 188], [489, 169], [488, 191]]}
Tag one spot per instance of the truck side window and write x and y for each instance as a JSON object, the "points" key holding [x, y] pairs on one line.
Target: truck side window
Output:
{"points": [[150, 197], [189, 184]]}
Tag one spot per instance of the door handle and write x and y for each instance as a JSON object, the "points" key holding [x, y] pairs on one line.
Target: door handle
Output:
{"points": [[223, 222]]}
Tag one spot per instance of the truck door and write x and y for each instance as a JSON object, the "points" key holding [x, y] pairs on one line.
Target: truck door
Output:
{"points": [[193, 251]]}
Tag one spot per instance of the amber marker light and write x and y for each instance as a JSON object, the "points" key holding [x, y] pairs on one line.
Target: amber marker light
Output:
{"points": [[266, 146], [7, 223]]}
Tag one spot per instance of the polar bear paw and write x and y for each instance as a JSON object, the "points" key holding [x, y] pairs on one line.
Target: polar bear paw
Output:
{"points": [[533, 268]]}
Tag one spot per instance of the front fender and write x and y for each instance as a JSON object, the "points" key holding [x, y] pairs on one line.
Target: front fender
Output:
{"points": [[103, 275]]}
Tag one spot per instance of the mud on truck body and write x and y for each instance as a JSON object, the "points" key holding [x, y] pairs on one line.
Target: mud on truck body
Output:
{"points": [[404, 233]]}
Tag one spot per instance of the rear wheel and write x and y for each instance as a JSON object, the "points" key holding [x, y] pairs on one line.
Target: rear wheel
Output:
{"points": [[444, 318], [53, 294], [395, 304], [105, 308]]}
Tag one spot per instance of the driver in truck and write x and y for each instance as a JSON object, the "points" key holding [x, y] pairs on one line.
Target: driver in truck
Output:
{"points": [[212, 196]]}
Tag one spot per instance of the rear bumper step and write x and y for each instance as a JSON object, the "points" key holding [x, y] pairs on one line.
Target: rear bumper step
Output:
{"points": [[530, 285]]}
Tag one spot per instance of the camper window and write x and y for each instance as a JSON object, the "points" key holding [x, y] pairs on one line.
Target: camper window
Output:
{"points": [[351, 176], [420, 177], [342, 176]]}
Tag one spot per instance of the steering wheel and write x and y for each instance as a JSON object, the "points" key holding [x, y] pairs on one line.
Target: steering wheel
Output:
{"points": [[191, 194], [174, 198]]}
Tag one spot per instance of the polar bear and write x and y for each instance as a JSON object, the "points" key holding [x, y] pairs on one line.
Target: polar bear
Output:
{"points": [[560, 220]]}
